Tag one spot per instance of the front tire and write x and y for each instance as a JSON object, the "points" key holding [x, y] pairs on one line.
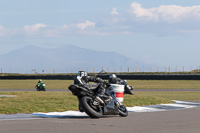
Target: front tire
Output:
{"points": [[90, 109], [123, 111]]}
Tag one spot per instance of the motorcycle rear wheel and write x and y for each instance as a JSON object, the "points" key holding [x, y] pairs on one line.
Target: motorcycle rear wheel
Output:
{"points": [[90, 109]]}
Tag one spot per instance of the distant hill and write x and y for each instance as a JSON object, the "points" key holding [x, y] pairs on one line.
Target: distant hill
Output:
{"points": [[64, 59]]}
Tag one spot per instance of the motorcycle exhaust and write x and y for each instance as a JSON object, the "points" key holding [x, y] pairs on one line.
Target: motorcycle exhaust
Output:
{"points": [[100, 100]]}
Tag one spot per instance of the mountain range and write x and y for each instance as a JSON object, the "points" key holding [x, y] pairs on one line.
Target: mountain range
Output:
{"points": [[63, 59]]}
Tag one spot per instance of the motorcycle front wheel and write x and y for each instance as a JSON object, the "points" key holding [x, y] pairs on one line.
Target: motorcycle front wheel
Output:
{"points": [[123, 111], [92, 110]]}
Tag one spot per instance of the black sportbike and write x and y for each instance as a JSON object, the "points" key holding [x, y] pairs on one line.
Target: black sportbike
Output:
{"points": [[95, 106]]}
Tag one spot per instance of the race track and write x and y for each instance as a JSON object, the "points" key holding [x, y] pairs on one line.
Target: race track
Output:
{"points": [[183, 119], [175, 121]]}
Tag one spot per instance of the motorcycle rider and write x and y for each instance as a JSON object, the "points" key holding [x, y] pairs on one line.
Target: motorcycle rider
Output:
{"points": [[113, 79], [40, 86], [39, 83], [82, 79]]}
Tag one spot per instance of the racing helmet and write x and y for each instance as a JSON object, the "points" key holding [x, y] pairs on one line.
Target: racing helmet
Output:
{"points": [[82, 74], [112, 76]]}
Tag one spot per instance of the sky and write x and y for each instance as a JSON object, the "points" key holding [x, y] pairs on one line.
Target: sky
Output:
{"points": [[162, 32]]}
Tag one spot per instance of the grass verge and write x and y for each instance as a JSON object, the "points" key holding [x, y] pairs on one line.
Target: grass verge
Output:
{"points": [[30, 84], [29, 102], [182, 96], [165, 84]]}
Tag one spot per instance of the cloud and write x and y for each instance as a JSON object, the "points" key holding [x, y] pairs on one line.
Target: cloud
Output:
{"points": [[114, 11], [1, 30], [1, 27], [31, 29], [165, 13], [163, 20], [85, 25]]}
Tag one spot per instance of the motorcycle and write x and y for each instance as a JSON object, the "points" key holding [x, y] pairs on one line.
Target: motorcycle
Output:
{"points": [[40, 87], [95, 106]]}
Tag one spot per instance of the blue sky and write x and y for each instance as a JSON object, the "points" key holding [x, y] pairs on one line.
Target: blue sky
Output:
{"points": [[152, 31]]}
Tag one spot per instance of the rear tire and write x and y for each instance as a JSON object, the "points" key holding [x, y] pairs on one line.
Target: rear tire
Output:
{"points": [[87, 105]]}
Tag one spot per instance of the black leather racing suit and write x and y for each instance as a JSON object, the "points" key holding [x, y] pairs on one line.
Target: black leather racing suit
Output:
{"points": [[115, 80], [84, 81]]}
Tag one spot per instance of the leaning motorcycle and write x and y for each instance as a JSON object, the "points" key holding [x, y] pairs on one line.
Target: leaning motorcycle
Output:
{"points": [[95, 106]]}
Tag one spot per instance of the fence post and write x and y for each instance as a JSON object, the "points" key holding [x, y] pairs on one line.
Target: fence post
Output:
{"points": [[128, 70], [87, 70], [94, 69], [191, 69]]}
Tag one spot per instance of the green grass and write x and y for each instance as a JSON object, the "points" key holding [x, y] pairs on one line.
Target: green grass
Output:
{"points": [[30, 84], [29, 102], [183, 96], [138, 84], [165, 84]]}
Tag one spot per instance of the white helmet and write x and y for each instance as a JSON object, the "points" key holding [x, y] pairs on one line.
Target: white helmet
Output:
{"points": [[82, 74], [112, 76]]}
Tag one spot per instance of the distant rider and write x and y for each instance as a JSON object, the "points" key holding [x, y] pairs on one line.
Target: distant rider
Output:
{"points": [[40, 86], [39, 83]]}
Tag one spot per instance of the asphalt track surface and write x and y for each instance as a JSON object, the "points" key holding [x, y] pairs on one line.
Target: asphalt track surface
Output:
{"points": [[176, 121]]}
